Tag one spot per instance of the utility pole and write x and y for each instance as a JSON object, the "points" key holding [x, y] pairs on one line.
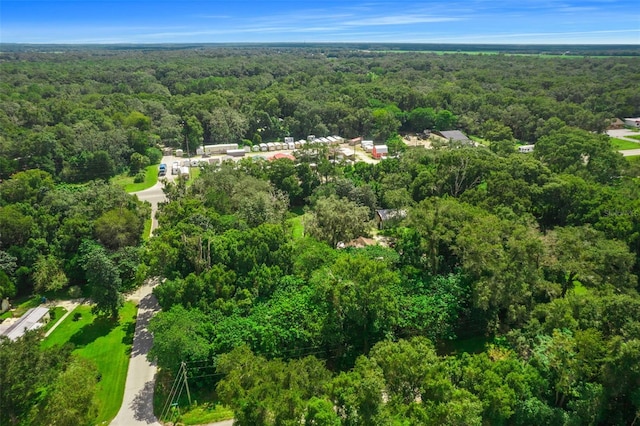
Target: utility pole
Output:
{"points": [[186, 142], [184, 373]]}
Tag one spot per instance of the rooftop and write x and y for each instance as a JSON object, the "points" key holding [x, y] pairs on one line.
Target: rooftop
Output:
{"points": [[31, 320]]}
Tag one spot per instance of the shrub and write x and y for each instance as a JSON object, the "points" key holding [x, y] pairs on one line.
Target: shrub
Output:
{"points": [[74, 291], [140, 177], [154, 155]]}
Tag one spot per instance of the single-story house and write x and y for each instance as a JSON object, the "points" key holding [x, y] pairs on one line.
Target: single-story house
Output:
{"points": [[454, 136], [361, 242], [389, 217], [282, 155], [33, 319], [526, 148], [616, 123], [380, 151]]}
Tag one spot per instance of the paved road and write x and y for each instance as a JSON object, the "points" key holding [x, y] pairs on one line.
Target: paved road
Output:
{"points": [[155, 195], [630, 152], [137, 404], [623, 134]]}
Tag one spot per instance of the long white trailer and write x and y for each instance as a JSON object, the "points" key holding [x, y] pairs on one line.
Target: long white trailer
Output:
{"points": [[219, 149]]}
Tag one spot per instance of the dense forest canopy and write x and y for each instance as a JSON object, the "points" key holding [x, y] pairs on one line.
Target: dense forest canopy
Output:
{"points": [[535, 255], [81, 115]]}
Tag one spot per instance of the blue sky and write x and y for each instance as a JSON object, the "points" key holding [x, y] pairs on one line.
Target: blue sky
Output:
{"points": [[225, 21]]}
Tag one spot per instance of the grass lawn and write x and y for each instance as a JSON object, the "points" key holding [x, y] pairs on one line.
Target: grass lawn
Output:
{"points": [[146, 234], [193, 175], [126, 181], [295, 222], [634, 137], [55, 314], [480, 140], [622, 144], [205, 408], [107, 344], [23, 305]]}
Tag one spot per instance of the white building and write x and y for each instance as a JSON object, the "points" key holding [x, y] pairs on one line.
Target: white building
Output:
{"points": [[32, 320], [526, 148], [632, 122]]}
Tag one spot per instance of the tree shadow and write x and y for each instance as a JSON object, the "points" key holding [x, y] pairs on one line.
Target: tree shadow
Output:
{"points": [[142, 404], [143, 339], [101, 326], [128, 333]]}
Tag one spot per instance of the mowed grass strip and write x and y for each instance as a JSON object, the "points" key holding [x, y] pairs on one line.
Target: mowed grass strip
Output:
{"points": [[295, 221], [107, 344], [623, 144]]}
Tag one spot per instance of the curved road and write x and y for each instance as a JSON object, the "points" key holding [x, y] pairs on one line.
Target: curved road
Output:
{"points": [[137, 404]]}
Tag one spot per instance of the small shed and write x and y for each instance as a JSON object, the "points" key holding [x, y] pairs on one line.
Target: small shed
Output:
{"points": [[379, 151], [389, 217], [179, 153], [355, 141]]}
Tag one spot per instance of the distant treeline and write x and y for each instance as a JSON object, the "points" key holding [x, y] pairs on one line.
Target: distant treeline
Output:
{"points": [[532, 49]]}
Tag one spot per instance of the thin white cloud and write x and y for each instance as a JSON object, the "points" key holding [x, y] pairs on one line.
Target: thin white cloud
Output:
{"points": [[400, 20], [212, 16]]}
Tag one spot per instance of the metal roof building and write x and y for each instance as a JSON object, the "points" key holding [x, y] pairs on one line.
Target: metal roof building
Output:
{"points": [[33, 319]]}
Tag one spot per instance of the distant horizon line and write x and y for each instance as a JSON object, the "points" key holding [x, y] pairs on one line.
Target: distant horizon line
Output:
{"points": [[317, 42]]}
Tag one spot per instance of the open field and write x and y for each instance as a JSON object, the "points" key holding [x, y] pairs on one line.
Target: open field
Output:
{"points": [[107, 344], [125, 181]]}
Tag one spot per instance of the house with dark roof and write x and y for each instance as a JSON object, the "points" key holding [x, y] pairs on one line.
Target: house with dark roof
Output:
{"points": [[389, 217], [454, 136]]}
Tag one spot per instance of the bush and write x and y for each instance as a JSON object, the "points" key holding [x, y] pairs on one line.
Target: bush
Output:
{"points": [[140, 177], [137, 163], [77, 316], [154, 155], [75, 292]]}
